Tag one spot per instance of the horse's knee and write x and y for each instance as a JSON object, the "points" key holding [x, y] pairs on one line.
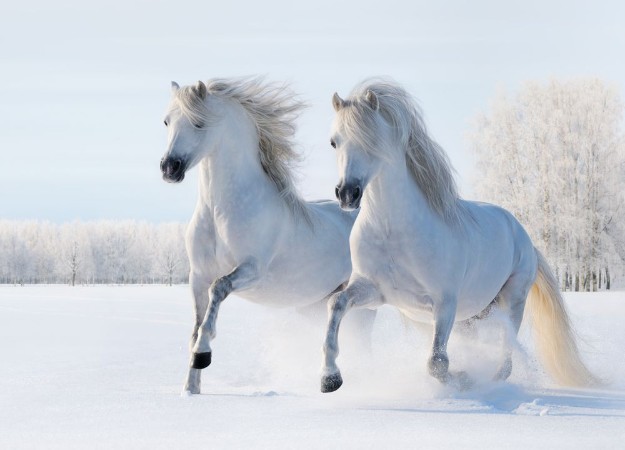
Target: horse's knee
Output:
{"points": [[337, 303], [220, 288], [336, 310]]}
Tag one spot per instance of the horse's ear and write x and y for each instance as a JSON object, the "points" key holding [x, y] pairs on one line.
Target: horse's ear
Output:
{"points": [[174, 86], [372, 100], [337, 102], [200, 90]]}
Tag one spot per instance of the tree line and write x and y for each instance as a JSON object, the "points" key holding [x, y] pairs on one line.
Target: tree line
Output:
{"points": [[100, 252], [554, 155]]}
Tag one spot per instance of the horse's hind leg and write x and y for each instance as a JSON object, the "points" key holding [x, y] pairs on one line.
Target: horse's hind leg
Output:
{"points": [[512, 299], [199, 288]]}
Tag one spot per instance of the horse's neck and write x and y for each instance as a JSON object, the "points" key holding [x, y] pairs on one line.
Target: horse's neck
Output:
{"points": [[233, 172], [393, 191]]}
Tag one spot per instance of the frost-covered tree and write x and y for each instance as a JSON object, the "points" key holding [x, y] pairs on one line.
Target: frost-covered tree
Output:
{"points": [[142, 254], [92, 252], [169, 253], [16, 254], [112, 252], [74, 251], [554, 155]]}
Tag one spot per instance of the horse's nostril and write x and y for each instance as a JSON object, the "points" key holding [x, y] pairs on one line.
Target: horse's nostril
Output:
{"points": [[176, 165], [356, 193], [162, 163], [336, 191]]}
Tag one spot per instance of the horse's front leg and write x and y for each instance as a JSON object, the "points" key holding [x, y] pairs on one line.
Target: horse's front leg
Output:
{"points": [[438, 364], [360, 293], [199, 288], [240, 278]]}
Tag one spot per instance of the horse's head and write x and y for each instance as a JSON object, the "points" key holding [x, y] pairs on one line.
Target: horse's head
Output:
{"points": [[187, 138], [357, 130]]}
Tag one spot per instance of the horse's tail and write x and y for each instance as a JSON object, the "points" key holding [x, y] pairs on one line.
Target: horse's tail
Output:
{"points": [[555, 337]]}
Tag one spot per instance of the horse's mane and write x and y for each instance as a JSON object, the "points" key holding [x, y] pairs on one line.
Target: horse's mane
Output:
{"points": [[273, 108], [425, 159]]}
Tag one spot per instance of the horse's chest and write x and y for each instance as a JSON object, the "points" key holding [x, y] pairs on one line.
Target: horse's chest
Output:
{"points": [[210, 249], [228, 238], [379, 250], [379, 260], [386, 258]]}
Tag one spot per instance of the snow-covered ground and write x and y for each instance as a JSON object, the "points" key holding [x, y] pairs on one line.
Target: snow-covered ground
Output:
{"points": [[102, 367]]}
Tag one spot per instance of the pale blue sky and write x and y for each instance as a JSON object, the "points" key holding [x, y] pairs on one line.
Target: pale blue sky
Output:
{"points": [[83, 85]]}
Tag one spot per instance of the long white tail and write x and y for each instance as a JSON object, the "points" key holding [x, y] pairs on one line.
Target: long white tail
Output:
{"points": [[555, 337]]}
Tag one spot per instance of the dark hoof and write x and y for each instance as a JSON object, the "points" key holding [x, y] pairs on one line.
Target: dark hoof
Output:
{"points": [[330, 383], [201, 360]]}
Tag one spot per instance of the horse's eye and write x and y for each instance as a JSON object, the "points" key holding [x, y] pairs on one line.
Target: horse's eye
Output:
{"points": [[332, 143], [165, 122], [198, 126]]}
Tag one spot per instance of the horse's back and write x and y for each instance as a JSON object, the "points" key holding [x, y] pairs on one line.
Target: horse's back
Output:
{"points": [[496, 225]]}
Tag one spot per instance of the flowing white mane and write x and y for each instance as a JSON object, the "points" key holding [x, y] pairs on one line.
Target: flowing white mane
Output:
{"points": [[426, 160], [274, 109]]}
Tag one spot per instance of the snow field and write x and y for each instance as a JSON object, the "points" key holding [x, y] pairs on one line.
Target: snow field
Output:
{"points": [[103, 367]]}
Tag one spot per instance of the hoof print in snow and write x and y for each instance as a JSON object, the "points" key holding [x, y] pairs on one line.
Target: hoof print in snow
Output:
{"points": [[201, 360], [330, 383]]}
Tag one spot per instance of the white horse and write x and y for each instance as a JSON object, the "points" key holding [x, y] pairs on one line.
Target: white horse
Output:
{"points": [[251, 233], [417, 246]]}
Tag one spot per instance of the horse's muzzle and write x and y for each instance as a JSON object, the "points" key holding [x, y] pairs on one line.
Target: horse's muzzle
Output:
{"points": [[173, 169], [348, 195]]}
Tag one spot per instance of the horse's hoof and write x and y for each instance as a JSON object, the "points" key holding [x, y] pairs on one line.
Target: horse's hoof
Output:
{"points": [[188, 391], [201, 360], [330, 383], [438, 365]]}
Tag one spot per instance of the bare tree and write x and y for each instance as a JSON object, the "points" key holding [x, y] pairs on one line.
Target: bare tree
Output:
{"points": [[170, 254]]}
